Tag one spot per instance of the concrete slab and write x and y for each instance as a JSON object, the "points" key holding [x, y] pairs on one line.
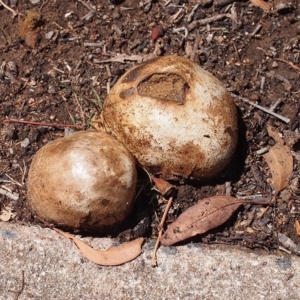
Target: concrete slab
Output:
{"points": [[53, 269]]}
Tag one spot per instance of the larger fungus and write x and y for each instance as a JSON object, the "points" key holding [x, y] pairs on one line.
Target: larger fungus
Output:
{"points": [[177, 119]]}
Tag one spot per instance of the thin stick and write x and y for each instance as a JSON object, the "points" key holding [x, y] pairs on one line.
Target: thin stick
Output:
{"points": [[11, 120], [10, 195], [9, 8], [163, 219], [209, 20], [282, 118], [192, 13], [19, 292], [289, 63]]}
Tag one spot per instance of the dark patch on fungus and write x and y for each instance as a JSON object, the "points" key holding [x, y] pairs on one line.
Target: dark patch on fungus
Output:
{"points": [[105, 202], [127, 93], [132, 76]]}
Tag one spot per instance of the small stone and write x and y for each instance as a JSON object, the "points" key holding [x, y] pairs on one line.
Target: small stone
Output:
{"points": [[25, 143], [35, 2], [51, 89], [68, 131], [49, 35]]}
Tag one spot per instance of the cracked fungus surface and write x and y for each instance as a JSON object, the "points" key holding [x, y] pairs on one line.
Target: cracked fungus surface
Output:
{"points": [[170, 87]]}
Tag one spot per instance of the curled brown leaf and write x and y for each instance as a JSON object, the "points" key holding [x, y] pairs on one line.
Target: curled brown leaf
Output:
{"points": [[162, 185], [200, 218], [113, 256]]}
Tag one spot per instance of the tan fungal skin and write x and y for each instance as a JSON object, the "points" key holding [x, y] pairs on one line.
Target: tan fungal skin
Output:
{"points": [[177, 119], [86, 180]]}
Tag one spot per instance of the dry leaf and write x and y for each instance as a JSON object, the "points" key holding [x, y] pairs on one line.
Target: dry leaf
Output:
{"points": [[280, 161], [297, 226], [113, 256], [162, 185], [262, 4], [200, 218], [274, 134]]}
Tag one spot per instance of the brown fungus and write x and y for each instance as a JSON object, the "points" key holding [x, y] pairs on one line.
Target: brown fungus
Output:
{"points": [[177, 119], [86, 180]]}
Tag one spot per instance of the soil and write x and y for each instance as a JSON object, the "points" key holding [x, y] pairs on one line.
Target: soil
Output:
{"points": [[59, 60]]}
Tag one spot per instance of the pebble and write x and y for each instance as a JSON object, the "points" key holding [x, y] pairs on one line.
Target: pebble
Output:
{"points": [[68, 131], [25, 143], [51, 89], [35, 2], [49, 35]]}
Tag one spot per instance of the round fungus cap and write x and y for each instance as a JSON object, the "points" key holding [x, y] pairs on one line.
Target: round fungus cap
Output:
{"points": [[177, 119], [86, 180]]}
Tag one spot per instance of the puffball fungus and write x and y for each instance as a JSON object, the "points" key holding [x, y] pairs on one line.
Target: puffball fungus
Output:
{"points": [[85, 180], [177, 119]]}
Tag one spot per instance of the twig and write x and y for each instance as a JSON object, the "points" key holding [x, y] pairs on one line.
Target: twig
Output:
{"points": [[262, 151], [11, 120], [288, 243], [12, 196], [197, 23], [13, 180], [192, 13], [289, 63], [122, 58], [177, 30], [273, 107], [9, 8], [19, 292], [23, 171], [87, 6], [282, 118], [153, 261], [256, 30], [93, 44]]}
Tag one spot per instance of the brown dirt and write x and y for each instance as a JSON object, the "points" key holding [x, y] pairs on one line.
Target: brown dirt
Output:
{"points": [[56, 77]]}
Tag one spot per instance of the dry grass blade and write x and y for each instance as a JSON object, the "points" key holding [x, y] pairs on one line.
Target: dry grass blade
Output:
{"points": [[200, 218], [113, 256]]}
